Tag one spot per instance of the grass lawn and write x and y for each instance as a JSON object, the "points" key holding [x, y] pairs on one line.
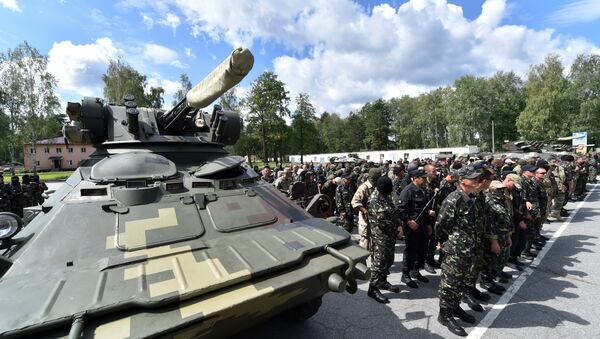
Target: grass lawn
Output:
{"points": [[46, 176]]}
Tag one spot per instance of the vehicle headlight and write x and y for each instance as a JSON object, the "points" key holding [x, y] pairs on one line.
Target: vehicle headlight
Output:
{"points": [[10, 224]]}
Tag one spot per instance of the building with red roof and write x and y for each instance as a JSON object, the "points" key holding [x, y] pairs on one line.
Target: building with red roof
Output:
{"points": [[55, 155]]}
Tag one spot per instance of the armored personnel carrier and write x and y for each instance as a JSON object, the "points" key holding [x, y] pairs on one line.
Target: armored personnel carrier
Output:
{"points": [[162, 233]]}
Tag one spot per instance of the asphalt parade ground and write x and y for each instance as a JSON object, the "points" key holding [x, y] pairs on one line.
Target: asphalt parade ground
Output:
{"points": [[557, 295]]}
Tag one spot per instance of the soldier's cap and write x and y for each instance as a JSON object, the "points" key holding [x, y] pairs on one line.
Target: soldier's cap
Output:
{"points": [[496, 184], [331, 177], [418, 173], [529, 168], [374, 174], [509, 161], [515, 178], [542, 163], [287, 170], [470, 172], [397, 170], [346, 176], [567, 157], [411, 167]]}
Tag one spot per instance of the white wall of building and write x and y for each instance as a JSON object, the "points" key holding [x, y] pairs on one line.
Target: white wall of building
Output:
{"points": [[393, 155]]}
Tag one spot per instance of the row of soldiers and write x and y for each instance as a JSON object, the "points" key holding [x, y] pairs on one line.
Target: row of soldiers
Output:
{"points": [[17, 195], [483, 215]]}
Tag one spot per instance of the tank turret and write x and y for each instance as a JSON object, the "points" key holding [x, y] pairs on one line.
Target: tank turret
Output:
{"points": [[162, 233]]}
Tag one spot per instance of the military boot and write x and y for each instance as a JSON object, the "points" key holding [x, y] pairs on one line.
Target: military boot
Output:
{"points": [[445, 318], [464, 316], [408, 281], [376, 294], [477, 294], [385, 285], [492, 287], [429, 268], [415, 274], [473, 304]]}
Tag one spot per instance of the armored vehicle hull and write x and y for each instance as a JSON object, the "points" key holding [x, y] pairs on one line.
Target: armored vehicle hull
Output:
{"points": [[162, 233]]}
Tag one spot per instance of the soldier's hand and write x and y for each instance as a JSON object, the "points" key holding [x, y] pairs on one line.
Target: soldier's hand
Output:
{"points": [[363, 211], [432, 213], [413, 225], [495, 247], [509, 241], [522, 225], [429, 230], [529, 205]]}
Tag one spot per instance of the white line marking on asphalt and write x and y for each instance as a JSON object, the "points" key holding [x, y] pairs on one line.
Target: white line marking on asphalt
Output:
{"points": [[494, 312]]}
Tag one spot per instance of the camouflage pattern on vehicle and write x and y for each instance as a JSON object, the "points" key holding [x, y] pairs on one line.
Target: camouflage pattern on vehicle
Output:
{"points": [[162, 233]]}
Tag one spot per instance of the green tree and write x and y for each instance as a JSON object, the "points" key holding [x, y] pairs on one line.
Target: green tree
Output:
{"points": [[121, 78], [185, 85], [303, 122], [267, 103], [330, 128], [468, 114], [155, 97], [230, 101], [431, 117], [548, 105], [406, 129], [377, 119], [507, 97], [28, 97], [585, 93]]}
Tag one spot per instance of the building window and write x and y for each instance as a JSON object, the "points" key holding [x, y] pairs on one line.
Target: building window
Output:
{"points": [[31, 150], [406, 155], [70, 149], [368, 157], [82, 149], [58, 150], [70, 162], [46, 149], [381, 156], [37, 163]]}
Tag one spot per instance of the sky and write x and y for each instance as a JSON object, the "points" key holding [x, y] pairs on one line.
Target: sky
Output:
{"points": [[343, 53]]}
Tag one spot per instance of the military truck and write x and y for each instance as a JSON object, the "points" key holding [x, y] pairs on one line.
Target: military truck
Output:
{"points": [[162, 233]]}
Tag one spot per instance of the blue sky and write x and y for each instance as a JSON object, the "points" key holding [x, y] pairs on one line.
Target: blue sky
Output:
{"points": [[343, 53]]}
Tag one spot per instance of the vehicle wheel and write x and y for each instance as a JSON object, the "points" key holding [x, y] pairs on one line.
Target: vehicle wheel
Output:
{"points": [[304, 311]]}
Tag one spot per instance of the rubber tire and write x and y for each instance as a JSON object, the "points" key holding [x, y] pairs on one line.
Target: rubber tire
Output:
{"points": [[304, 311]]}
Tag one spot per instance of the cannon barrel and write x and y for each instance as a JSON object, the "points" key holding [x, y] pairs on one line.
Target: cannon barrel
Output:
{"points": [[228, 74]]}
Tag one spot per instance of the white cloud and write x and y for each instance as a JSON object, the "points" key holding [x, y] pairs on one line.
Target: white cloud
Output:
{"points": [[161, 55], [11, 5], [343, 54], [189, 53], [171, 20], [577, 12], [79, 68], [147, 20]]}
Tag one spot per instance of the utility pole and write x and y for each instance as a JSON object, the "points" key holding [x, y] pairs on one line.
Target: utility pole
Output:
{"points": [[493, 141]]}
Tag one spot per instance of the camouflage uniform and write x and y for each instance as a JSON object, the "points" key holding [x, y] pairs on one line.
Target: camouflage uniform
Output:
{"points": [[499, 225], [593, 170], [459, 226], [383, 223], [343, 203], [559, 175], [530, 193], [6, 196], [283, 184]]}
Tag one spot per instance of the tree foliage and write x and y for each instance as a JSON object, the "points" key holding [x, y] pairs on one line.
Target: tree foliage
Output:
{"points": [[27, 97], [185, 85], [121, 79], [267, 104]]}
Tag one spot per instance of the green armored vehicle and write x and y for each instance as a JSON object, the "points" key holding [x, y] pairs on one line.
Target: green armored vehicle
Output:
{"points": [[162, 233]]}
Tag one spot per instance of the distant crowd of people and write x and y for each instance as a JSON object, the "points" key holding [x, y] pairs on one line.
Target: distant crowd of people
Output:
{"points": [[470, 217], [17, 195]]}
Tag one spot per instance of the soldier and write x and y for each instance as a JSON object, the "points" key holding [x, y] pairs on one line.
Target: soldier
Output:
{"points": [[558, 172], [530, 197], [266, 175], [343, 203], [459, 227], [40, 189], [412, 205], [17, 203], [6, 196], [399, 173], [360, 203], [28, 191], [384, 224], [329, 186], [284, 182], [432, 188]]}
